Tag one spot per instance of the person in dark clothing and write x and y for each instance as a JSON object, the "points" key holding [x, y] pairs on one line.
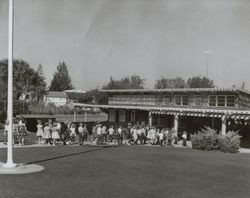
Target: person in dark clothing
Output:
{"points": [[64, 135]]}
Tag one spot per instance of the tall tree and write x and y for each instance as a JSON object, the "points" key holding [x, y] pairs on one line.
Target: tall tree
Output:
{"points": [[129, 82], [200, 82], [26, 82], [41, 89], [61, 80], [164, 83]]}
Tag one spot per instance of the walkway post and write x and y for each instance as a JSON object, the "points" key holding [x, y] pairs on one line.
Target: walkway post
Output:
{"points": [[85, 116], [223, 125], [150, 121], [176, 121], [74, 115], [10, 163]]}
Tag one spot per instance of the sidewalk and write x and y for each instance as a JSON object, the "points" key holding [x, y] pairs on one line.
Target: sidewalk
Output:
{"points": [[108, 144]]}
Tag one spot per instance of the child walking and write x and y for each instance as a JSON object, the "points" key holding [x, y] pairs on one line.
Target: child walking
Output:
{"points": [[47, 133], [83, 133], [55, 134], [72, 133], [5, 133], [39, 132], [184, 138]]}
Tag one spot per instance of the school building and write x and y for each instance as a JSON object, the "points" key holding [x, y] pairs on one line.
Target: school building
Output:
{"points": [[187, 109]]}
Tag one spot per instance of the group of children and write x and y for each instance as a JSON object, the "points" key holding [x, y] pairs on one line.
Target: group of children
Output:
{"points": [[137, 134], [19, 132], [52, 132], [154, 136]]}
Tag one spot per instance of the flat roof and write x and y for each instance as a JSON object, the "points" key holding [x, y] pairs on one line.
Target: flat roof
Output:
{"points": [[56, 94], [236, 90]]}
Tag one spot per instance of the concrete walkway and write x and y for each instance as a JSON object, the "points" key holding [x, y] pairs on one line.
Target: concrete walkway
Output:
{"points": [[179, 145]]}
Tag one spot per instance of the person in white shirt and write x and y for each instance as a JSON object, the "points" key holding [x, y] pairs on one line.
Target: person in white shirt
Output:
{"points": [[104, 133], [161, 136], [120, 138], [111, 133], [135, 135], [99, 134], [83, 133], [72, 133], [151, 136], [39, 132], [184, 138]]}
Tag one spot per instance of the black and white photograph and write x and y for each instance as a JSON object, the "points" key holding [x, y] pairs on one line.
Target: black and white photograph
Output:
{"points": [[124, 98]]}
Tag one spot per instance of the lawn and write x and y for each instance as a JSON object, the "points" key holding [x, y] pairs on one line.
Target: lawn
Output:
{"points": [[128, 171]]}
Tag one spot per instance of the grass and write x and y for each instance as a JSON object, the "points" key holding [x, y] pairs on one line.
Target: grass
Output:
{"points": [[135, 171]]}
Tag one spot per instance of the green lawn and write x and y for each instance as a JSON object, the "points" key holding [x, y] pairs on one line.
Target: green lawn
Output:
{"points": [[128, 171]]}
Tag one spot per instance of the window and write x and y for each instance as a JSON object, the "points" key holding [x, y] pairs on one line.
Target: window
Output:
{"points": [[230, 101], [167, 100], [221, 101], [212, 101], [198, 100], [181, 100], [184, 100], [177, 100]]}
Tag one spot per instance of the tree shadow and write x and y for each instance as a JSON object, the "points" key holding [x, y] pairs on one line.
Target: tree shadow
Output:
{"points": [[67, 155]]}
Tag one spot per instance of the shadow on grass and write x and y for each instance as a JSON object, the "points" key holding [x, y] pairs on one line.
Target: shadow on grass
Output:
{"points": [[69, 155]]}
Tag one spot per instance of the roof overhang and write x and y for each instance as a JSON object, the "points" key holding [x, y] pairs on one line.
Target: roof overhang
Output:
{"points": [[172, 90], [177, 111]]}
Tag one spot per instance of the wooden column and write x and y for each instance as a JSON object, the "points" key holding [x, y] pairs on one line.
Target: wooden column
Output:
{"points": [[223, 125], [176, 122], [212, 122], [150, 121]]}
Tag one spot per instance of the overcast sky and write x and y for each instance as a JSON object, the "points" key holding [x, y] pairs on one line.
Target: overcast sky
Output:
{"points": [[152, 38]]}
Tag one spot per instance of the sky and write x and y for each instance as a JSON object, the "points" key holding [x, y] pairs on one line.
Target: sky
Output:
{"points": [[152, 38]]}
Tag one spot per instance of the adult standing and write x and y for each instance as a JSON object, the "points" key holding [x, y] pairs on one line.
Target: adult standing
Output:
{"points": [[111, 133], [104, 133], [99, 134], [120, 134]]}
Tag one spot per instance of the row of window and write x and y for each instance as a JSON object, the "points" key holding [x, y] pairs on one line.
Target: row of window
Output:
{"points": [[178, 100]]}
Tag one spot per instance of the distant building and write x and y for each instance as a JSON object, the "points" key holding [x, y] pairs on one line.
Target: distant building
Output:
{"points": [[75, 95], [58, 98]]}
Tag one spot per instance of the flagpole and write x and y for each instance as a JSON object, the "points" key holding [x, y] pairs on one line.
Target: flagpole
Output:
{"points": [[10, 163], [10, 167]]}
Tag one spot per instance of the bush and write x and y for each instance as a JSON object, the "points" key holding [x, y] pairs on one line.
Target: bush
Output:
{"points": [[208, 139], [205, 139], [230, 143]]}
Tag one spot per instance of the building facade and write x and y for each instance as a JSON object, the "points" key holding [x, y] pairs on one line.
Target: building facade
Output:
{"points": [[187, 109], [57, 98]]}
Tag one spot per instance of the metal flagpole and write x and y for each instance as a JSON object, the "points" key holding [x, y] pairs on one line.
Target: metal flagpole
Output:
{"points": [[10, 163], [10, 167]]}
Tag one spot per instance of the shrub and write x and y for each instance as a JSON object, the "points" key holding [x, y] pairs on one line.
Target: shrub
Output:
{"points": [[230, 143], [208, 139], [205, 139]]}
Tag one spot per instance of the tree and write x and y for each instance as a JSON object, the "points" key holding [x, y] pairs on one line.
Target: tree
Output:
{"points": [[200, 82], [61, 80], [129, 82], [243, 86], [164, 83], [41, 89], [26, 83]]}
